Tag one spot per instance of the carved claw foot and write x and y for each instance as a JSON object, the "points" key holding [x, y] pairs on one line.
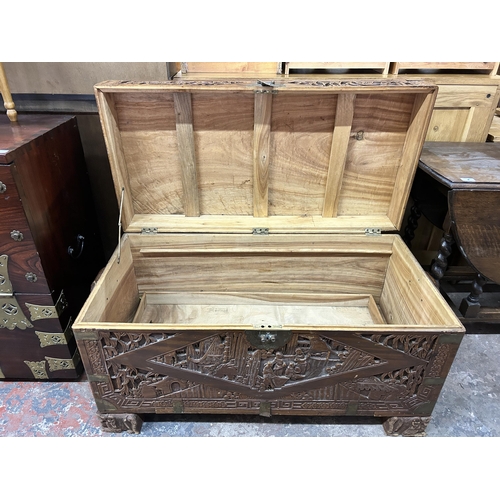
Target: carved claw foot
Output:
{"points": [[121, 422], [406, 426]]}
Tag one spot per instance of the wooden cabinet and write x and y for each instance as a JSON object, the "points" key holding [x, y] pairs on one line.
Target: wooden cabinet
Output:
{"points": [[463, 112], [254, 276], [49, 246]]}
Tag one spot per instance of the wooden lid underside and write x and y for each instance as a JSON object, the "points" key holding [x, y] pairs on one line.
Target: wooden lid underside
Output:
{"points": [[233, 156]]}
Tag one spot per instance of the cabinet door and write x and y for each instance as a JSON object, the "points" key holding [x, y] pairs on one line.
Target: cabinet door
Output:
{"points": [[463, 113]]}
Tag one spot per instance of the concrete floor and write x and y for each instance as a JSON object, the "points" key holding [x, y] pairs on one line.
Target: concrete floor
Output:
{"points": [[469, 405]]}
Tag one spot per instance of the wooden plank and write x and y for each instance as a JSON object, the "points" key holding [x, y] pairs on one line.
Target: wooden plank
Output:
{"points": [[409, 296], [326, 85], [168, 244], [338, 154], [464, 66], [115, 296], [465, 96], [380, 125], [462, 165], [185, 138], [119, 170], [261, 152], [384, 66], [414, 142], [230, 67], [246, 224], [266, 272]]}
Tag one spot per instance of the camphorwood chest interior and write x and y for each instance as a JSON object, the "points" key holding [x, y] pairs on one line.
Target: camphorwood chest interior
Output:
{"points": [[260, 271]]}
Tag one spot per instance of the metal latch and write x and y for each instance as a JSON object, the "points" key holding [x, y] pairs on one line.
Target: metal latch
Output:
{"points": [[261, 230], [149, 230], [269, 86], [373, 231], [265, 339]]}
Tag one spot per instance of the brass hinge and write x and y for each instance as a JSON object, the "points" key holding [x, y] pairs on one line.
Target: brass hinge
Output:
{"points": [[261, 230], [373, 231], [149, 230], [269, 87]]}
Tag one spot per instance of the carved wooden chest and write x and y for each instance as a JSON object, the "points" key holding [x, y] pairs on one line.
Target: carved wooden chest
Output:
{"points": [[260, 272]]}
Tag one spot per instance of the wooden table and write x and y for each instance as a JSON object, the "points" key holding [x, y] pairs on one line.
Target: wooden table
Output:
{"points": [[467, 177]]}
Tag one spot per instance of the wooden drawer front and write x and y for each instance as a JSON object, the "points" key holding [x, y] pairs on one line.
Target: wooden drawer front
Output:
{"points": [[462, 113], [9, 195], [24, 267], [32, 354]]}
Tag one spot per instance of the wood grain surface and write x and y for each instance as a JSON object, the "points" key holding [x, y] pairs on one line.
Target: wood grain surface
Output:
{"points": [[475, 216]]}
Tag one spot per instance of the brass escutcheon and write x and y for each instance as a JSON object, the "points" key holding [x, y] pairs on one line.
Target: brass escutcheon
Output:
{"points": [[266, 339], [5, 284], [11, 315], [48, 312]]}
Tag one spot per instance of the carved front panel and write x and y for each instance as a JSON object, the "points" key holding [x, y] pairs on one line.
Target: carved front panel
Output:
{"points": [[200, 371]]}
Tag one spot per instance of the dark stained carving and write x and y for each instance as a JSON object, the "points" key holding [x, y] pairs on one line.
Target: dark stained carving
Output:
{"points": [[313, 372], [406, 426], [128, 422]]}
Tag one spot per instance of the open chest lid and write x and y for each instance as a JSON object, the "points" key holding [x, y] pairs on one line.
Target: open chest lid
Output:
{"points": [[333, 156]]}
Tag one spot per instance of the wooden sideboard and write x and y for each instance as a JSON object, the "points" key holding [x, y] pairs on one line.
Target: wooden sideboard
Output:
{"points": [[50, 250]]}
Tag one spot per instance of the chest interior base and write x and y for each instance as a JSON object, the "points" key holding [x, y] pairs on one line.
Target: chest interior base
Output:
{"points": [[267, 311]]}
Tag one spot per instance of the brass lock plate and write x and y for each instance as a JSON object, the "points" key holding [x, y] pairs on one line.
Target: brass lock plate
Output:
{"points": [[268, 338]]}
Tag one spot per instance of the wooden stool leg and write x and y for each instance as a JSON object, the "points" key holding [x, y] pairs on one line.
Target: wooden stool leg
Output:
{"points": [[7, 97], [439, 266], [470, 306]]}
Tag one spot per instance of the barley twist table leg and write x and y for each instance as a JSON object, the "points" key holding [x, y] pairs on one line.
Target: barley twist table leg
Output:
{"points": [[470, 306], [441, 262]]}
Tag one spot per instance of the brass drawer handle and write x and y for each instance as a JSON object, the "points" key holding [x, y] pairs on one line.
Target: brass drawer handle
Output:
{"points": [[17, 235], [3, 187]]}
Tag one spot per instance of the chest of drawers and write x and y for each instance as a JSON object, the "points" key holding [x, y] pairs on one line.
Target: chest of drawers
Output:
{"points": [[49, 246]]}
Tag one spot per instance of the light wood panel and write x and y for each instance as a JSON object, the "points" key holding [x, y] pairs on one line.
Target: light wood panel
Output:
{"points": [[409, 297], [185, 140], [262, 136], [210, 311], [231, 67], [338, 153], [381, 66], [115, 296], [309, 152], [490, 67], [463, 113]]}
